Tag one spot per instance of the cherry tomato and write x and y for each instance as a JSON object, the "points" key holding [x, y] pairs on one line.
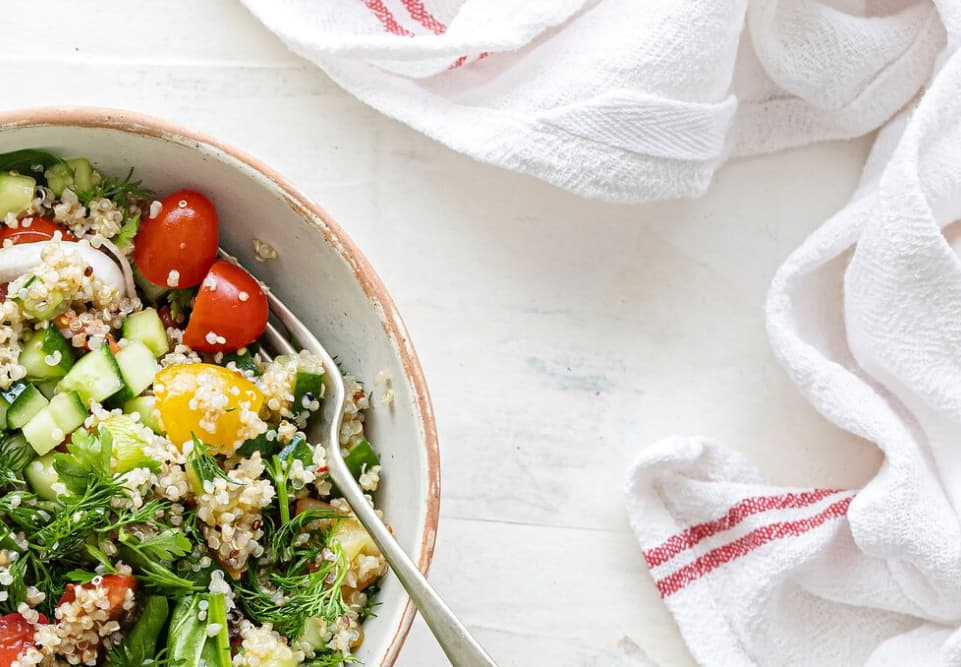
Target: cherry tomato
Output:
{"points": [[116, 586], [15, 636], [176, 248], [39, 229], [230, 310], [207, 401]]}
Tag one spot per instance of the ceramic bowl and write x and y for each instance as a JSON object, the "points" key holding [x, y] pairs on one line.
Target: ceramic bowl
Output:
{"points": [[318, 272]]}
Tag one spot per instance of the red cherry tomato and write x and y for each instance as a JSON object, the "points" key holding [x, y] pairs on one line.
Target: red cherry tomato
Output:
{"points": [[39, 229], [15, 636], [181, 239], [116, 586], [230, 310]]}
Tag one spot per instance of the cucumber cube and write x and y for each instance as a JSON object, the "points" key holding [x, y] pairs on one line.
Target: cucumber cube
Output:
{"points": [[95, 376], [16, 193]]}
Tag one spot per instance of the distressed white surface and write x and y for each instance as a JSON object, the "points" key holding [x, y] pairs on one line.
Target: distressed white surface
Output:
{"points": [[559, 336]]}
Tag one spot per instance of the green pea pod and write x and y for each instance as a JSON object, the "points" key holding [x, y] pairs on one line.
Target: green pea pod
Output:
{"points": [[141, 641], [187, 639], [216, 651], [187, 634]]}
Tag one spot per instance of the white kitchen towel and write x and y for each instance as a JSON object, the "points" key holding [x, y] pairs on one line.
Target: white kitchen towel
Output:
{"points": [[620, 99], [866, 318]]}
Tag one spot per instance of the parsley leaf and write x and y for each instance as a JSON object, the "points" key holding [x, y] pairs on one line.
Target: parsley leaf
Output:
{"points": [[127, 233]]}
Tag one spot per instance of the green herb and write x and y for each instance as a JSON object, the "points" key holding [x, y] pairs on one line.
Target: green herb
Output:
{"points": [[278, 468], [27, 160], [307, 593], [122, 191], [179, 300], [128, 231], [163, 580], [165, 546], [82, 576], [148, 555], [15, 454], [372, 602], [205, 465], [87, 460]]}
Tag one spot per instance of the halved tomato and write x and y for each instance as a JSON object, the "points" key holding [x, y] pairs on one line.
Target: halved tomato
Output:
{"points": [[16, 634], [176, 248], [230, 310], [37, 229], [116, 586]]}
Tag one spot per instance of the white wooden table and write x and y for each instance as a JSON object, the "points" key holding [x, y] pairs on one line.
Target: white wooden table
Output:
{"points": [[559, 336]]}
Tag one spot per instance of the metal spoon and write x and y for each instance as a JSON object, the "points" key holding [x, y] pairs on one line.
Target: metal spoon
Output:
{"points": [[460, 647]]}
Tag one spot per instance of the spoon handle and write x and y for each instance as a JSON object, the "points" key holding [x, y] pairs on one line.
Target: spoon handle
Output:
{"points": [[460, 647]]}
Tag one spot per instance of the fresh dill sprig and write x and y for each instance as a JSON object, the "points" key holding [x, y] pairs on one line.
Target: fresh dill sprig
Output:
{"points": [[282, 539], [306, 593], [372, 602], [67, 532], [121, 191], [205, 465]]}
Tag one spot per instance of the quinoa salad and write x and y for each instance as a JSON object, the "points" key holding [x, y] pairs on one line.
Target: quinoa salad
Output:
{"points": [[160, 502]]}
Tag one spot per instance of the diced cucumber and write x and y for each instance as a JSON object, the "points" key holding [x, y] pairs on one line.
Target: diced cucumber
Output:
{"points": [[4, 406], [137, 368], [16, 193], [68, 411], [49, 427], [41, 476], [147, 328], [26, 405], [145, 406], [17, 388], [48, 388], [151, 290], [95, 376], [42, 432], [16, 451], [75, 173], [84, 176], [44, 347]]}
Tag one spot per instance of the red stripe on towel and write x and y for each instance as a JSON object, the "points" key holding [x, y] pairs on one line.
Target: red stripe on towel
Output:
{"points": [[672, 583], [419, 13], [385, 16], [735, 515]]}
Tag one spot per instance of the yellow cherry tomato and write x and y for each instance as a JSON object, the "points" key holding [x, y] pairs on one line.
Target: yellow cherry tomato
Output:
{"points": [[215, 404]]}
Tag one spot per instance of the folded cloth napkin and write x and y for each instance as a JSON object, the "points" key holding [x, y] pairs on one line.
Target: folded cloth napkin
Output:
{"points": [[866, 318], [620, 99]]}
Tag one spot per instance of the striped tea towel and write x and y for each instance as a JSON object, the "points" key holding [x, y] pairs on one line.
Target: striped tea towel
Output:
{"points": [[866, 318], [620, 99]]}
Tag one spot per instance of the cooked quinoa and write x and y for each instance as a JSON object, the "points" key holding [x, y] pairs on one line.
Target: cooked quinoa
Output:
{"points": [[161, 497]]}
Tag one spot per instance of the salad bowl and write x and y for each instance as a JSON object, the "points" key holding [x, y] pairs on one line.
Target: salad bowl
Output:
{"points": [[304, 257]]}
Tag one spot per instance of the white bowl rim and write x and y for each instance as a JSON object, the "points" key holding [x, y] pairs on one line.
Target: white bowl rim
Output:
{"points": [[133, 122]]}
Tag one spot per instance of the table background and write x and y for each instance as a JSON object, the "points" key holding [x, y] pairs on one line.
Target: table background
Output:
{"points": [[559, 336]]}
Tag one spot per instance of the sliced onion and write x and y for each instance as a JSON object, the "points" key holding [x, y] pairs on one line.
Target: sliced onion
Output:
{"points": [[124, 266], [17, 260]]}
